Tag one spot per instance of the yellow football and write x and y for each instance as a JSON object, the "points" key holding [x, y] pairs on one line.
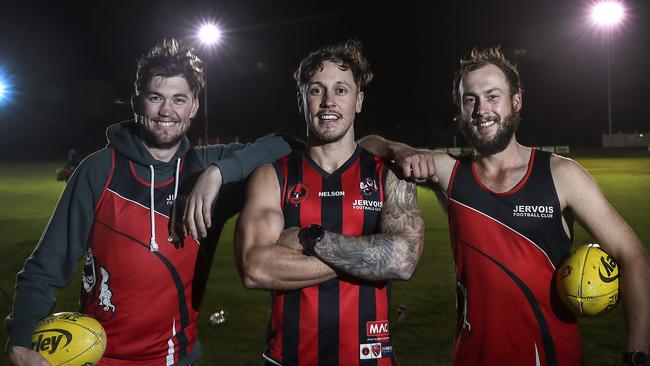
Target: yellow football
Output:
{"points": [[70, 339], [587, 281]]}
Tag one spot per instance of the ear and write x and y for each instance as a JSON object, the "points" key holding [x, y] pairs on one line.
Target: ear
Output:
{"points": [[195, 107], [359, 103], [301, 101], [516, 101]]}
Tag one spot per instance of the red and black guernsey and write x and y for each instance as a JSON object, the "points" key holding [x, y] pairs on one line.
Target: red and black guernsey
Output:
{"points": [[343, 321], [153, 322], [507, 246]]}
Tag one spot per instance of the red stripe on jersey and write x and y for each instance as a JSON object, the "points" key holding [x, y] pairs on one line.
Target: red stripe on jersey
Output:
{"points": [[352, 224], [308, 328], [142, 181], [277, 324], [348, 323], [310, 210], [310, 213]]}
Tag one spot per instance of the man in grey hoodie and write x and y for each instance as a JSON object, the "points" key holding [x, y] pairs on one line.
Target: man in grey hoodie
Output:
{"points": [[116, 212]]}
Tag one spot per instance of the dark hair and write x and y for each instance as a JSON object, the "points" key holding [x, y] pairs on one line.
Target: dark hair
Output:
{"points": [[170, 58], [482, 57], [347, 54]]}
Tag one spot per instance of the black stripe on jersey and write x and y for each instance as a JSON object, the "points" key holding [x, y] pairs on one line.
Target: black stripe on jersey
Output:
{"points": [[328, 292], [291, 328], [182, 301], [368, 170], [549, 346]]}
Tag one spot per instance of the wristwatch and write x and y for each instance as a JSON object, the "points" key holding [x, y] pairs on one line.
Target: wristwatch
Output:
{"points": [[309, 237], [635, 358]]}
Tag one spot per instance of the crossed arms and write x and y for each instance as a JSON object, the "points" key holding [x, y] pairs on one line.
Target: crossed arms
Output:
{"points": [[270, 257]]}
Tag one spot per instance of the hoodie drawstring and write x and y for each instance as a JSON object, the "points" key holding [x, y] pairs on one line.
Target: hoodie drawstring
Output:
{"points": [[153, 246]]}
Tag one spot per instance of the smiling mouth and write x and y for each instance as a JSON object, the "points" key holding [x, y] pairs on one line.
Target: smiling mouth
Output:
{"points": [[329, 117], [165, 123], [485, 123]]}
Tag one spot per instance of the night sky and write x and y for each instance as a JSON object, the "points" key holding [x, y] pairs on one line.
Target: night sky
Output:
{"points": [[72, 66]]}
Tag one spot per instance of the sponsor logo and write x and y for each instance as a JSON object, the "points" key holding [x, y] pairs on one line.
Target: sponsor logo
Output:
{"points": [[609, 264], [49, 340], [377, 328], [368, 186], [298, 193], [539, 211], [367, 205], [369, 351], [331, 194]]}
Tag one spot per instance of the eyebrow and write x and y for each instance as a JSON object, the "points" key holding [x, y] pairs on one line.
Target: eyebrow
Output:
{"points": [[493, 89], [343, 82]]}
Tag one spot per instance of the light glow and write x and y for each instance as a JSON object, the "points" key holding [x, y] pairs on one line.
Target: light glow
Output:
{"points": [[209, 34], [608, 13]]}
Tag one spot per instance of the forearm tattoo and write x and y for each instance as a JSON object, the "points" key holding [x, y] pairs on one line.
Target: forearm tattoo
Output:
{"points": [[391, 254]]}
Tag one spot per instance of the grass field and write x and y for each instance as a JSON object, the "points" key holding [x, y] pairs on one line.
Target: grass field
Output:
{"points": [[28, 193]]}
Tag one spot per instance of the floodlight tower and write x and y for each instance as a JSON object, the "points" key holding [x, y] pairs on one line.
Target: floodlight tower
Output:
{"points": [[209, 35], [608, 14]]}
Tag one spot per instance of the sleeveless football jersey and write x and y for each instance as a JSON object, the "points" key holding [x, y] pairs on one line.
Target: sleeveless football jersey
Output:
{"points": [[506, 247], [343, 321], [158, 314]]}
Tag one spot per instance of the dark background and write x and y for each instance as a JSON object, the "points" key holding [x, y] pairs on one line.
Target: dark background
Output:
{"points": [[72, 66]]}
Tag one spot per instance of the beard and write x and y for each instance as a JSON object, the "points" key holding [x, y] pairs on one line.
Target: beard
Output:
{"points": [[157, 140], [507, 128]]}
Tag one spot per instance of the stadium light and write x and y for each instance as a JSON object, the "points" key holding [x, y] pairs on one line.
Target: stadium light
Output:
{"points": [[5, 88], [608, 14], [209, 35]]}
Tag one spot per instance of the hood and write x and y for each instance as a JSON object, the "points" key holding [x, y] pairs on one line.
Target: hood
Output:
{"points": [[125, 138]]}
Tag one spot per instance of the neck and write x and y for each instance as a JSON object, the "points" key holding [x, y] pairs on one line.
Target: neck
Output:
{"points": [[331, 156], [164, 155], [513, 155]]}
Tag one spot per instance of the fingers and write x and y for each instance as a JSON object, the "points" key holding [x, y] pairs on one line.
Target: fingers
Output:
{"points": [[198, 220], [189, 218]]}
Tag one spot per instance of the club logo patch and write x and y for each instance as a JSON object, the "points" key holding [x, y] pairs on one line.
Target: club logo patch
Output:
{"points": [[297, 194], [368, 186]]}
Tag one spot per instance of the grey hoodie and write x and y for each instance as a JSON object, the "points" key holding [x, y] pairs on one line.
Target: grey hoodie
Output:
{"points": [[53, 264]]}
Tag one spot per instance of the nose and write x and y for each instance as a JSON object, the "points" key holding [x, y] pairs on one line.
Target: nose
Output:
{"points": [[480, 108], [166, 109], [327, 100]]}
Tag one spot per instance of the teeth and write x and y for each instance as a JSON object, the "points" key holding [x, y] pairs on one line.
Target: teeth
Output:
{"points": [[328, 117], [165, 124], [486, 124]]}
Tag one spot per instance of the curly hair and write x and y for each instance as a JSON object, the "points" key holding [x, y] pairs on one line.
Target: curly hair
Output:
{"points": [[482, 57], [347, 54], [170, 58]]}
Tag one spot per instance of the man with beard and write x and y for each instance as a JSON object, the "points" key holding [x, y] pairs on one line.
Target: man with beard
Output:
{"points": [[327, 227], [505, 251], [139, 282]]}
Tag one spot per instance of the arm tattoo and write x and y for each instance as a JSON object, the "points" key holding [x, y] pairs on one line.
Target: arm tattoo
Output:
{"points": [[394, 252]]}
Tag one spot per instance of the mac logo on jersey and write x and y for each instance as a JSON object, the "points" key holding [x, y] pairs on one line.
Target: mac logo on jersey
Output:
{"points": [[538, 211], [377, 328], [297, 194]]}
